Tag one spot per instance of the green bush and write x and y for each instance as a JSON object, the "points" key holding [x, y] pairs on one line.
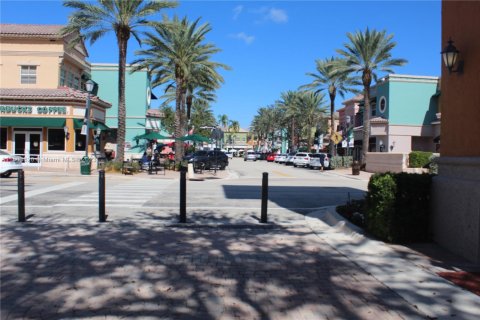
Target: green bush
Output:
{"points": [[341, 161], [419, 159], [116, 166], [398, 206]]}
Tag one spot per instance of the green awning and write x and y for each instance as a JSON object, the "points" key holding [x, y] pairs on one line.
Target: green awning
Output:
{"points": [[78, 123], [32, 122]]}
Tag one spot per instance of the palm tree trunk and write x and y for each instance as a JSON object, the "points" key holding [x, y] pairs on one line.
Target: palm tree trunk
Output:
{"points": [[122, 40], [292, 135], [366, 125], [332, 122], [178, 120]]}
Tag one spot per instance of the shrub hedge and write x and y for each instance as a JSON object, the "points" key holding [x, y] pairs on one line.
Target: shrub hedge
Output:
{"points": [[398, 206], [419, 159]]}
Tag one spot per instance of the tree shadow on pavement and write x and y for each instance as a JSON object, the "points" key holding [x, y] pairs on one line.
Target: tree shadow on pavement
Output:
{"points": [[146, 272]]}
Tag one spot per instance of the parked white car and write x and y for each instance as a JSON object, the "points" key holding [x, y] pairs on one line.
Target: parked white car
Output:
{"points": [[301, 159], [250, 155], [9, 164], [229, 155], [281, 157]]}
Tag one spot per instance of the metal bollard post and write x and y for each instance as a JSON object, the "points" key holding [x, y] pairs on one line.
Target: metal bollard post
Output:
{"points": [[183, 195], [263, 217], [101, 196], [21, 196]]}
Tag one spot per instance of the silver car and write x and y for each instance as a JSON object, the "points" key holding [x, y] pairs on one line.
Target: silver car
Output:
{"points": [[319, 160], [9, 163], [250, 155], [301, 159], [281, 157]]}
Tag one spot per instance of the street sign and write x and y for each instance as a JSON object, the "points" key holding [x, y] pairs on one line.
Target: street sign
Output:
{"points": [[336, 138]]}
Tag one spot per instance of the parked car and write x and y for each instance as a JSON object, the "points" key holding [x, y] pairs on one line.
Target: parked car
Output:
{"points": [[250, 155], [9, 164], [301, 159], [271, 157], [208, 159], [280, 157], [320, 160], [289, 158], [229, 154]]}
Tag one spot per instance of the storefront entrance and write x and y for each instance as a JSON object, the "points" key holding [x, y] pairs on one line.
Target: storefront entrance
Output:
{"points": [[27, 144]]}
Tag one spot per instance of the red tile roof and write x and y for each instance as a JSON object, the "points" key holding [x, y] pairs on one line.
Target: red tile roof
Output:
{"points": [[62, 93], [28, 30]]}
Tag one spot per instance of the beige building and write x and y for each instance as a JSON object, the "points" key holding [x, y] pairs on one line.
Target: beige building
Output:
{"points": [[42, 97]]}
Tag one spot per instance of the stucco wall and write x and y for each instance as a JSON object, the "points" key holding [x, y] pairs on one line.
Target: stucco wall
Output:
{"points": [[460, 96], [456, 189], [135, 97], [46, 56], [383, 162], [411, 103]]}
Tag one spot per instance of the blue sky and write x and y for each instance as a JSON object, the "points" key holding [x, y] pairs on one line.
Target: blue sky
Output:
{"points": [[271, 45]]}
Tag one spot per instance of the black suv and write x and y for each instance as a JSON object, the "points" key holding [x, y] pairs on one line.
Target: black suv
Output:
{"points": [[208, 159]]}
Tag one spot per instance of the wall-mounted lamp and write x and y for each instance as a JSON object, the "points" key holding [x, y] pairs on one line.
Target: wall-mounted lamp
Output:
{"points": [[450, 57], [392, 145], [67, 134], [382, 147]]}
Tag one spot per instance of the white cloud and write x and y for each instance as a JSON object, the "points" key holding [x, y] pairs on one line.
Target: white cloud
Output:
{"points": [[237, 11], [243, 36], [277, 15]]}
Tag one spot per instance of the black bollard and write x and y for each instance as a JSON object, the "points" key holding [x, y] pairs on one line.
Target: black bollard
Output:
{"points": [[21, 196], [263, 216], [101, 196], [183, 195]]}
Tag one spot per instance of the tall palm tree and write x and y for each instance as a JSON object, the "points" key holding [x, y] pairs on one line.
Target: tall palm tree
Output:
{"points": [[327, 78], [223, 120], [367, 53], [176, 53], [234, 126], [124, 18], [289, 103], [312, 110], [202, 116]]}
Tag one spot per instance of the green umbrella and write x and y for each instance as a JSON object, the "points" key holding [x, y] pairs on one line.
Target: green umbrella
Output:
{"points": [[151, 136], [195, 138]]}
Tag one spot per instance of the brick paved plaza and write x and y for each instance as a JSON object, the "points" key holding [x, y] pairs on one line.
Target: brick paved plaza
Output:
{"points": [[142, 272]]}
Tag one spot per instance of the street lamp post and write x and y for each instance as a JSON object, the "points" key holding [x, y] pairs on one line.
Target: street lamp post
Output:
{"points": [[86, 121], [85, 163]]}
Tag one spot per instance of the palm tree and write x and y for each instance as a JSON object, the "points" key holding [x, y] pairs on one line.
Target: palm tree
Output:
{"points": [[327, 78], [289, 104], [223, 120], [202, 116], [177, 54], [366, 53], [234, 126], [312, 110], [122, 17]]}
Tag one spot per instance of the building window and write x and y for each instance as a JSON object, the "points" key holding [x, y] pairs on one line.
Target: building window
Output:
{"points": [[76, 83], [3, 138], [63, 76], [383, 104], [28, 75], [70, 80], [56, 140], [80, 140]]}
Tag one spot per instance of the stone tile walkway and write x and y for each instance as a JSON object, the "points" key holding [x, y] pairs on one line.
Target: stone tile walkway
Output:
{"points": [[113, 271]]}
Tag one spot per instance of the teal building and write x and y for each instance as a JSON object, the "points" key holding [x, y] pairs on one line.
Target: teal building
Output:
{"points": [[138, 97], [405, 115]]}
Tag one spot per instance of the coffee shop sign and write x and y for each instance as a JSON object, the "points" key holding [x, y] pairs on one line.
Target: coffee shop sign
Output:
{"points": [[43, 110]]}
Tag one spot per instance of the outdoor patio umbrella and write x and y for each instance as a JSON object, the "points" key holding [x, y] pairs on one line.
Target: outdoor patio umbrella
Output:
{"points": [[151, 136], [194, 138]]}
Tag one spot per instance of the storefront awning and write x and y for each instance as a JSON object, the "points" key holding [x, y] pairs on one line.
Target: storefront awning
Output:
{"points": [[32, 122], [78, 123]]}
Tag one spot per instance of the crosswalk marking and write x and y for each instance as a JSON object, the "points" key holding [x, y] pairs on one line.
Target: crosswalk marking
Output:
{"points": [[124, 195]]}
